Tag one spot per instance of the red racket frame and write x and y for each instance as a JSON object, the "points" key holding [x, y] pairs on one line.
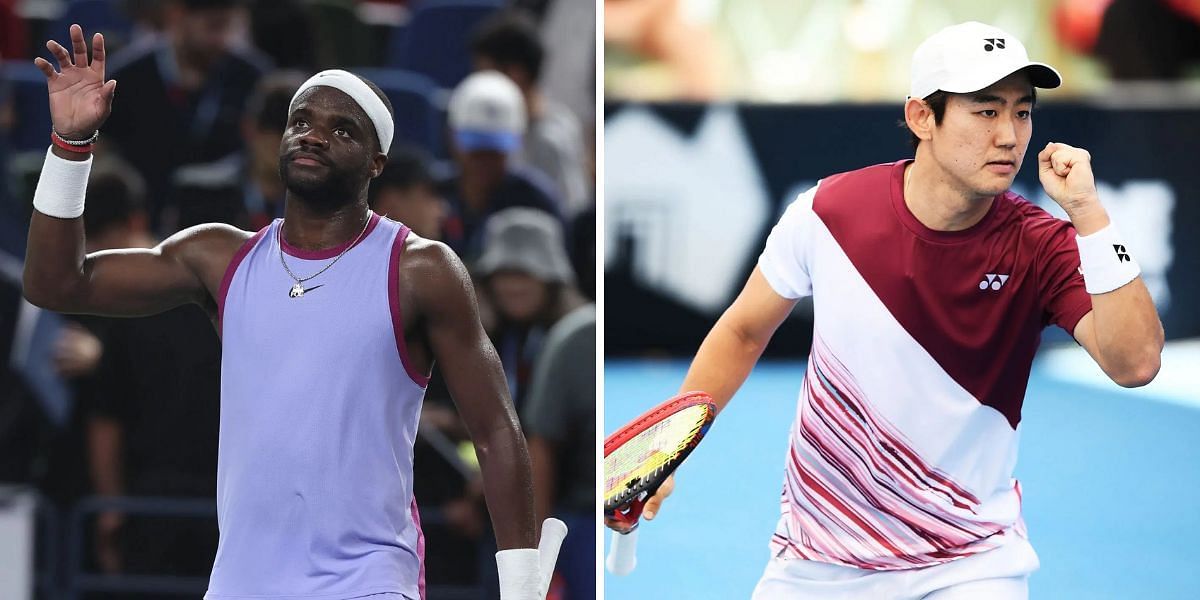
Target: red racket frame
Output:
{"points": [[673, 405]]}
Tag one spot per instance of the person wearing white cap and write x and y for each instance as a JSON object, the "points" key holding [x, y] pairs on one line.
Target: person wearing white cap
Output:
{"points": [[330, 319], [931, 284], [487, 120]]}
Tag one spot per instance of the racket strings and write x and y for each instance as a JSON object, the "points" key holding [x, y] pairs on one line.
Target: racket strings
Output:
{"points": [[647, 455]]}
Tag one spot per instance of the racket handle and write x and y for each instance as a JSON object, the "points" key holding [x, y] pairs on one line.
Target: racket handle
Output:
{"points": [[622, 556], [553, 534]]}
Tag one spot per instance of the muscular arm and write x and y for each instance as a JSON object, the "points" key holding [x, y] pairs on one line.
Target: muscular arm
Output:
{"points": [[58, 274], [185, 268], [445, 303], [1122, 333], [729, 352], [726, 357]]}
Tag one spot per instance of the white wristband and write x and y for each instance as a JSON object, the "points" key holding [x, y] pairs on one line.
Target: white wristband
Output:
{"points": [[61, 186], [1105, 261], [520, 574]]}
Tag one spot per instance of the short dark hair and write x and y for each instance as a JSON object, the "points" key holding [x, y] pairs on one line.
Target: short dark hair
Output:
{"points": [[115, 192], [937, 103], [510, 38]]}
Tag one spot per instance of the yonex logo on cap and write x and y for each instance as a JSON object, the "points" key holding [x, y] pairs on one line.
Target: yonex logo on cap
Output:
{"points": [[989, 43], [994, 281]]}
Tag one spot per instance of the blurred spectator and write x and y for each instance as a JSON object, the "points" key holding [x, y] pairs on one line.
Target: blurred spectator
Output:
{"points": [[14, 33], [559, 418], [487, 119], [153, 411], [583, 250], [6, 120], [262, 130], [658, 31], [283, 30], [508, 42], [527, 281], [569, 75], [182, 100], [1150, 39], [405, 192]]}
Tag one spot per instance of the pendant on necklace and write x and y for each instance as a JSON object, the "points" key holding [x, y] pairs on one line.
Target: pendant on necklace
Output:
{"points": [[297, 291]]}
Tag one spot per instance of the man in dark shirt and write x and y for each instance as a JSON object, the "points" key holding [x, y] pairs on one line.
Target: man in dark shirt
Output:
{"points": [[182, 100], [152, 412], [487, 117]]}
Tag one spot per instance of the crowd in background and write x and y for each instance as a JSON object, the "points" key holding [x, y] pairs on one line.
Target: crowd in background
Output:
{"points": [[817, 51], [494, 156]]}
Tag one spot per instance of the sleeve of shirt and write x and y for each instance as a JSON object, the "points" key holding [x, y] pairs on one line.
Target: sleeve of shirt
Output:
{"points": [[1060, 284], [785, 260]]}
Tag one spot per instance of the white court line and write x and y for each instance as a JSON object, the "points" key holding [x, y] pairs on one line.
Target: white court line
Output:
{"points": [[1178, 381]]}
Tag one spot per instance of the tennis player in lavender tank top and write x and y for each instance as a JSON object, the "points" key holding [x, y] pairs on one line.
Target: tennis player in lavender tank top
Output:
{"points": [[331, 320]]}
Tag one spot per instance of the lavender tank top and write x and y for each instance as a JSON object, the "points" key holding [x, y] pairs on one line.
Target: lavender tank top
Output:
{"points": [[319, 409]]}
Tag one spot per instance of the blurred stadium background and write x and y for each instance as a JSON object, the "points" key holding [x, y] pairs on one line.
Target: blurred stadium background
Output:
{"points": [[108, 428], [718, 112]]}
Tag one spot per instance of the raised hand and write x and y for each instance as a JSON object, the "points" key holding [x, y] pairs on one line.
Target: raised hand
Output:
{"points": [[80, 99]]}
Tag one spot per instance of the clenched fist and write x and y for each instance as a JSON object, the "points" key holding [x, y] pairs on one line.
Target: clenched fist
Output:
{"points": [[1066, 174]]}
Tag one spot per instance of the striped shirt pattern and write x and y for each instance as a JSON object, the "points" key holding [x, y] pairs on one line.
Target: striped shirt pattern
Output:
{"points": [[857, 494]]}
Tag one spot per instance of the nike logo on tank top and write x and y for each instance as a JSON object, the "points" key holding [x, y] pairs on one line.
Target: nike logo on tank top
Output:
{"points": [[319, 412]]}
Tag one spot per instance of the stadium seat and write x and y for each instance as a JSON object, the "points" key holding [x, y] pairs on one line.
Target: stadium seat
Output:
{"points": [[419, 105], [434, 41]]}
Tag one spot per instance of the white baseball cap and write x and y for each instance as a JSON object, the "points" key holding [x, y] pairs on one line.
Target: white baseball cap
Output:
{"points": [[487, 112], [971, 56]]}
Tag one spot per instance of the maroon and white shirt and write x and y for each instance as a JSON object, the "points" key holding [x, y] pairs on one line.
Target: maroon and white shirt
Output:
{"points": [[906, 430]]}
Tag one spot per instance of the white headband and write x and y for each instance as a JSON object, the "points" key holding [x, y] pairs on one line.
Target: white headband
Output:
{"points": [[354, 87]]}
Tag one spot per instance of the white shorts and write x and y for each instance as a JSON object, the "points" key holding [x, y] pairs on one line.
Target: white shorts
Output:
{"points": [[1001, 573]]}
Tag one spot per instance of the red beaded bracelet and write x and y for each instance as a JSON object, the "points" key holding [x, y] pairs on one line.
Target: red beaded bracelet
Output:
{"points": [[80, 146]]}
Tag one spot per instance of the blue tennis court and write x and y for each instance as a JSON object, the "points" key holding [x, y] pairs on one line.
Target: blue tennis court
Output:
{"points": [[1111, 480]]}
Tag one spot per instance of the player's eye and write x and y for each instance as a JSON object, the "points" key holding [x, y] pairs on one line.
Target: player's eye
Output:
{"points": [[301, 123], [341, 131], [989, 113], [1024, 114]]}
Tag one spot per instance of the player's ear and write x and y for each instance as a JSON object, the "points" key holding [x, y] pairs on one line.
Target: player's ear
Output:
{"points": [[919, 117], [377, 164]]}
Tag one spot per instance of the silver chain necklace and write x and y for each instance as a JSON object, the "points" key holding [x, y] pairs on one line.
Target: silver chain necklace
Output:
{"points": [[298, 290]]}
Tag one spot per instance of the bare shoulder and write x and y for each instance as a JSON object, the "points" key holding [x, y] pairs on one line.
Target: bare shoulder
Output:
{"points": [[206, 249], [434, 279], [430, 259]]}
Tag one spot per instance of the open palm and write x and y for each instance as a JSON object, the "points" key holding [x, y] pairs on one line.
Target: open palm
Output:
{"points": [[80, 99]]}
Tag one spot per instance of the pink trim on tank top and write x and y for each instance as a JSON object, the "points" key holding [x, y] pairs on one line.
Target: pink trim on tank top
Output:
{"points": [[324, 253], [416, 516], [226, 279], [418, 377]]}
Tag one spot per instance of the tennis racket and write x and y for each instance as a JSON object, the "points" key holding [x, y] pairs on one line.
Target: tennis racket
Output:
{"points": [[640, 456]]}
